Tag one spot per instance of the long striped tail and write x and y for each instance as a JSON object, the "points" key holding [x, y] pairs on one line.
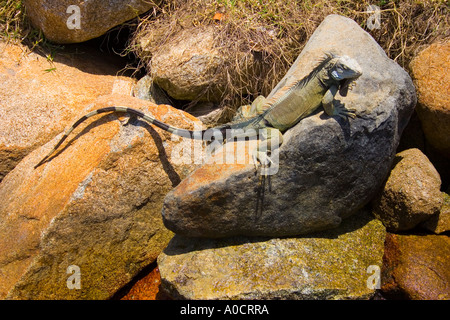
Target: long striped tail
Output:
{"points": [[180, 132]]}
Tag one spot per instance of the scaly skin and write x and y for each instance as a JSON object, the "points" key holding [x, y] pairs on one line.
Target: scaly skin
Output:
{"points": [[281, 112], [289, 105]]}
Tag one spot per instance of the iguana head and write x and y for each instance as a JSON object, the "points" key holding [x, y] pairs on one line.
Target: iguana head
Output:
{"points": [[344, 70]]}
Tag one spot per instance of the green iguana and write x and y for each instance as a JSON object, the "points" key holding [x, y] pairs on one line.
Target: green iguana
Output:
{"points": [[284, 110]]}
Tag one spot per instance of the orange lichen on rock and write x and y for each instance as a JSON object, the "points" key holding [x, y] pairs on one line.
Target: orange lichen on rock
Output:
{"points": [[430, 73], [39, 96], [96, 204]]}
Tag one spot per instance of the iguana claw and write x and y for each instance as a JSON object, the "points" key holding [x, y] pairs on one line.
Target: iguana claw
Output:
{"points": [[261, 157], [343, 112]]}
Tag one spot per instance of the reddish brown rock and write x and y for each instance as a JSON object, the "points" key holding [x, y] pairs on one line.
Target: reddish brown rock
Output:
{"points": [[96, 205], [39, 98], [145, 288], [411, 193], [416, 267], [432, 80]]}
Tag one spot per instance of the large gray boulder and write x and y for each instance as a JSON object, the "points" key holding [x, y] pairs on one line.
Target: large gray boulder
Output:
{"points": [[328, 167]]}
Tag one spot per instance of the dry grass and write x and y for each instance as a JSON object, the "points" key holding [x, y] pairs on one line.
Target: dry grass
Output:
{"points": [[266, 36], [11, 17], [408, 26], [15, 27], [260, 38]]}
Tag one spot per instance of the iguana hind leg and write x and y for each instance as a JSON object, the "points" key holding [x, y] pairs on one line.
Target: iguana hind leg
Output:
{"points": [[249, 111], [270, 140]]}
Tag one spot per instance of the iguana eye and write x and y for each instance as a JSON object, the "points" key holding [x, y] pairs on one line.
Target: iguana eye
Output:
{"points": [[335, 74]]}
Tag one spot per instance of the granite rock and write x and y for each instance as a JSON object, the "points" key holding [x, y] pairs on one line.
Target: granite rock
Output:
{"points": [[96, 205], [411, 194], [72, 21], [416, 267], [343, 263], [429, 70]]}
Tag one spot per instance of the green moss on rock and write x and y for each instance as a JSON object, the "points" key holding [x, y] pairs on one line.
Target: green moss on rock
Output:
{"points": [[327, 265]]}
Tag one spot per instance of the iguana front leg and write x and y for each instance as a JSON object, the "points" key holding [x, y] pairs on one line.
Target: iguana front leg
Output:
{"points": [[332, 108], [270, 139]]}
